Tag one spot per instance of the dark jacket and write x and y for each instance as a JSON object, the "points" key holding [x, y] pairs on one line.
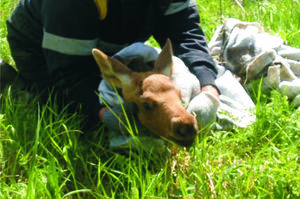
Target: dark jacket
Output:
{"points": [[64, 32]]}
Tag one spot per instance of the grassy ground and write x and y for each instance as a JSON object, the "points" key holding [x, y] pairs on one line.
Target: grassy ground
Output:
{"points": [[44, 155]]}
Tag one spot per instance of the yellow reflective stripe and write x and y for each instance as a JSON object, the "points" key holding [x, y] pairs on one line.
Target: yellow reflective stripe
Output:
{"points": [[102, 8]]}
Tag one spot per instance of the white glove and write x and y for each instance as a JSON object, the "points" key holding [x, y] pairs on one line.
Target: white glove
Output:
{"points": [[204, 106]]}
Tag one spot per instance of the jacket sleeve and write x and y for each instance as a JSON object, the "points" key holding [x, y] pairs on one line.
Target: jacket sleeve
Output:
{"points": [[181, 24], [70, 32]]}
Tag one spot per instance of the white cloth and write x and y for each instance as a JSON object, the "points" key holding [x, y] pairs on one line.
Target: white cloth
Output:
{"points": [[236, 107], [249, 52]]}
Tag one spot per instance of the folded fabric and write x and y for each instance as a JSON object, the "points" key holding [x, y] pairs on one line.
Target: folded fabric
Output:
{"points": [[236, 107], [249, 52]]}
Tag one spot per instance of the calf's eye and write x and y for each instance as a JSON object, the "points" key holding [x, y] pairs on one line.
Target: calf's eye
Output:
{"points": [[148, 106]]}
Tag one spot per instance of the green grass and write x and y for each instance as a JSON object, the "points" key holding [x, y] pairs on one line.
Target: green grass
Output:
{"points": [[43, 153]]}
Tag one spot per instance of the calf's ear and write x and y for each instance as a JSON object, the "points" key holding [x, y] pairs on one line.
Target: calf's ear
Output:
{"points": [[164, 62], [113, 71]]}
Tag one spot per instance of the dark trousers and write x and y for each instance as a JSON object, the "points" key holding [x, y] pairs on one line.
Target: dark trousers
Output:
{"points": [[76, 93]]}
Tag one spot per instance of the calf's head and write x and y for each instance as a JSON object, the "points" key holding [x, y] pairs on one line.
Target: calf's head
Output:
{"points": [[154, 93]]}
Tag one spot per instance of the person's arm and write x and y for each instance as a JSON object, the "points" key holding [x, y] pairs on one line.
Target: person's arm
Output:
{"points": [[70, 32], [181, 25]]}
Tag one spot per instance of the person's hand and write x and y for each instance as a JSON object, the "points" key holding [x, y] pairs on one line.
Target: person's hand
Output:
{"points": [[205, 106], [211, 89]]}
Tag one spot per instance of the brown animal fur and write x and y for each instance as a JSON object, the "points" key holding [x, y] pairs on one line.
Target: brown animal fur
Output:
{"points": [[157, 97]]}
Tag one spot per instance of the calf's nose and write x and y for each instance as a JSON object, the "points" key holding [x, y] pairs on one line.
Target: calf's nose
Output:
{"points": [[185, 131]]}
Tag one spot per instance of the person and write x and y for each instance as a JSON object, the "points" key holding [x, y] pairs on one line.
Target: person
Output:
{"points": [[51, 42]]}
